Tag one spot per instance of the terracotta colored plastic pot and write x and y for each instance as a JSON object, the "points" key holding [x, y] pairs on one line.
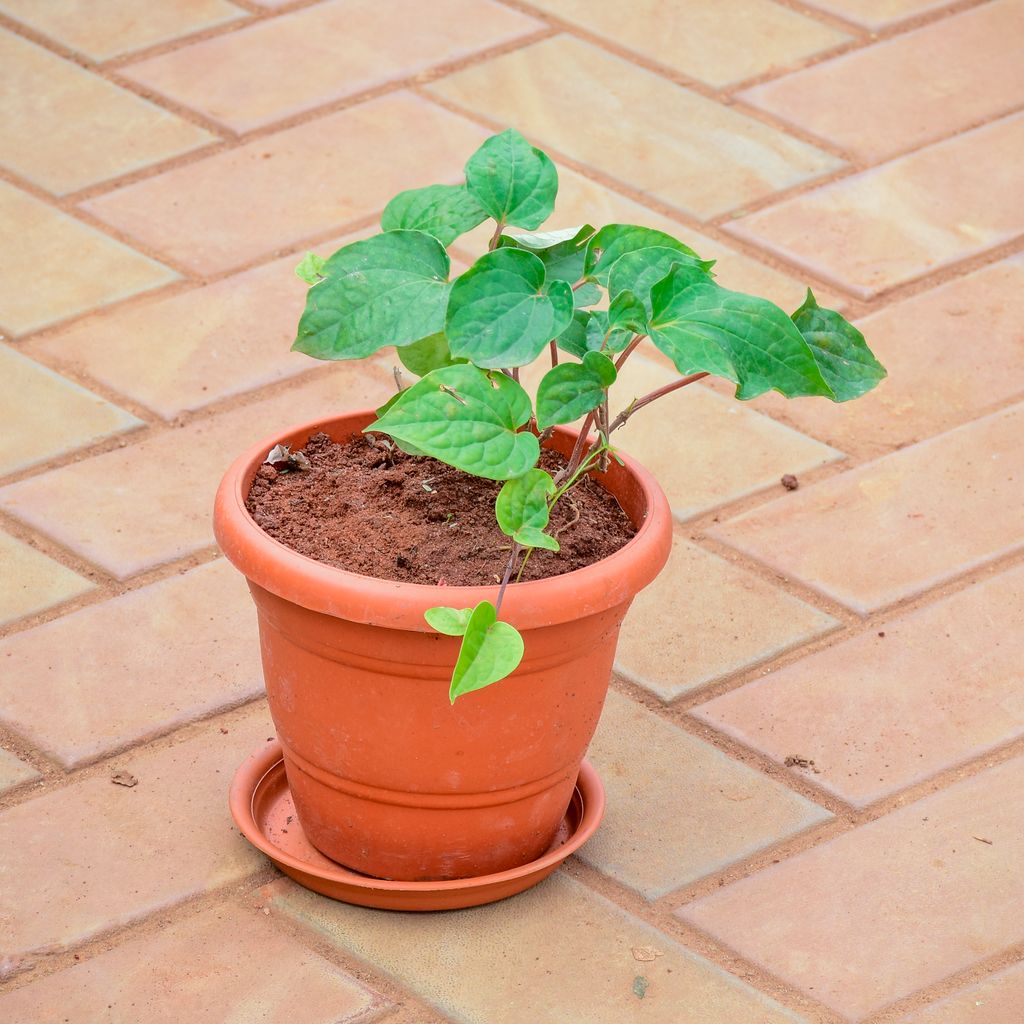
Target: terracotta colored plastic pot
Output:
{"points": [[387, 776]]}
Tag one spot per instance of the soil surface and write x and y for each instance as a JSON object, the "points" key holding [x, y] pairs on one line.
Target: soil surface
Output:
{"points": [[390, 515]]}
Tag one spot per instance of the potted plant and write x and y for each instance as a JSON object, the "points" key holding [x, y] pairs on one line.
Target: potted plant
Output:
{"points": [[433, 730]]}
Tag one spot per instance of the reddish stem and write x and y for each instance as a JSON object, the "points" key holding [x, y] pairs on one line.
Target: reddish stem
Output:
{"points": [[554, 353], [639, 403]]}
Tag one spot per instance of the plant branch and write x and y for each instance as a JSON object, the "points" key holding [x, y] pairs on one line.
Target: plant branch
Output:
{"points": [[554, 353], [513, 555], [639, 403], [579, 284], [493, 243], [628, 350]]}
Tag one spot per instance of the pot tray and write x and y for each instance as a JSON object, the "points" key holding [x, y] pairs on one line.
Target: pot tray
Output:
{"points": [[262, 807]]}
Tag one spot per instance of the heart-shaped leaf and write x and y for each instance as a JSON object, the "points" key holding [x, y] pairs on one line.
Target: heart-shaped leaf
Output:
{"points": [[531, 537], [627, 313], [391, 289], [839, 349], [444, 211], [574, 338], [427, 354], [514, 182], [491, 650], [570, 390], [615, 240], [523, 503], [602, 336], [450, 621], [640, 270], [467, 419], [588, 294], [501, 313], [747, 340], [562, 252]]}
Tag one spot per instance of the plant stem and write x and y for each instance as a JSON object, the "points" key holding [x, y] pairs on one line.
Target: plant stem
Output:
{"points": [[493, 244], [522, 565], [639, 403], [554, 353], [577, 451], [628, 350], [579, 284], [516, 548]]}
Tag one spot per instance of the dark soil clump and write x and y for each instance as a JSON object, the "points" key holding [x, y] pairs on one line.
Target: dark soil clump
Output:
{"points": [[390, 515]]}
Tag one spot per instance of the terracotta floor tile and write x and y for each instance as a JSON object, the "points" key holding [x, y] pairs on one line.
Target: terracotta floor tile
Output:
{"points": [[40, 244], [552, 89], [277, 68], [717, 44], [201, 345], [107, 28], [704, 618], [896, 704], [499, 968], [910, 89], [13, 772], [890, 907], [220, 965], [894, 527], [953, 353], [304, 181], [879, 13], [706, 450], [721, 810], [171, 652], [901, 220], [32, 433], [582, 201], [65, 128], [135, 850], [133, 508], [31, 582], [996, 1000]]}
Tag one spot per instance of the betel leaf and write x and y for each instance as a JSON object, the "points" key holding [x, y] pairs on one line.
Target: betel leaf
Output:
{"points": [[444, 211], [602, 336], [391, 289], [570, 390], [501, 313], [640, 270], [839, 349], [311, 268], [491, 650], [562, 252], [430, 353], [750, 341], [466, 418], [615, 240], [450, 621], [513, 181], [522, 509], [627, 313], [574, 338]]}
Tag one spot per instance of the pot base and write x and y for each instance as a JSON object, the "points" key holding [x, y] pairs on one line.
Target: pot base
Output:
{"points": [[262, 807]]}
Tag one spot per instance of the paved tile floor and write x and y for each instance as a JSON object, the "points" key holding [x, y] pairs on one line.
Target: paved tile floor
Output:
{"points": [[815, 745]]}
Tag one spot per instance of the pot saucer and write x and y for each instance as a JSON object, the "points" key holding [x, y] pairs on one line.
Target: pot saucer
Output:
{"points": [[262, 807]]}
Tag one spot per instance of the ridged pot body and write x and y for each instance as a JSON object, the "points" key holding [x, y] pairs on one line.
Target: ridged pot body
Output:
{"points": [[388, 777]]}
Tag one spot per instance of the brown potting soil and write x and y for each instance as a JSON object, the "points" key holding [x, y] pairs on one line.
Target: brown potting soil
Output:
{"points": [[382, 513]]}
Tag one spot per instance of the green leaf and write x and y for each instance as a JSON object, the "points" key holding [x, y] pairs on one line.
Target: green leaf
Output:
{"points": [[523, 502], [599, 326], [570, 390], [627, 313], [501, 314], [839, 349], [491, 650], [615, 240], [450, 621], [586, 295], [750, 341], [311, 268], [430, 353], [514, 182], [562, 252], [640, 270], [574, 338], [467, 419], [531, 537], [391, 289], [444, 211]]}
